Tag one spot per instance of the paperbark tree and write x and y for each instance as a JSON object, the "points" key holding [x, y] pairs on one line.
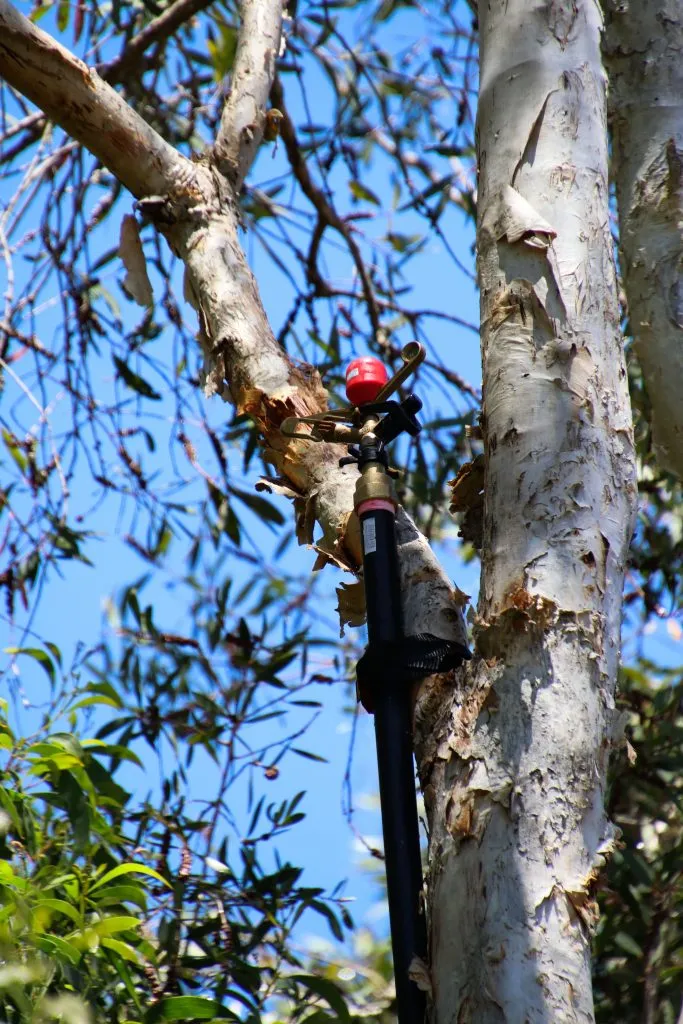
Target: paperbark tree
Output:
{"points": [[518, 828], [643, 46], [513, 760]]}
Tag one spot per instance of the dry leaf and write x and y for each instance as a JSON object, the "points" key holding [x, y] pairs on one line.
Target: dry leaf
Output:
{"points": [[326, 557], [351, 605], [467, 500], [305, 518], [419, 973], [467, 488], [136, 283]]}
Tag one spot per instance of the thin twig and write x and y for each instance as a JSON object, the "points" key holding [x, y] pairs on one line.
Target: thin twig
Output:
{"points": [[326, 212], [156, 32]]}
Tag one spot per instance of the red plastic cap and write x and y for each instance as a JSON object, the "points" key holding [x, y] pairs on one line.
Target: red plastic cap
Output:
{"points": [[365, 378]]}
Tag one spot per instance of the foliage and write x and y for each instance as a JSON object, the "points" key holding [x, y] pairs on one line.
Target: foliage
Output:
{"points": [[639, 969], [130, 897], [158, 908]]}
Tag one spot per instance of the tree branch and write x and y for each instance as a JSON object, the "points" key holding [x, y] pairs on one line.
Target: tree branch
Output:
{"points": [[196, 209], [157, 31], [75, 97], [646, 113], [243, 117]]}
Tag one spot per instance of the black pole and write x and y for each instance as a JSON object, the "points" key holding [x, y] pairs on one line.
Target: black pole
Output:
{"points": [[393, 734]]}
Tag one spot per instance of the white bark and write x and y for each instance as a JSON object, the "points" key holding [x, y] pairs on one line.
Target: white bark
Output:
{"points": [[515, 770], [76, 98], [195, 207], [644, 55], [243, 117]]}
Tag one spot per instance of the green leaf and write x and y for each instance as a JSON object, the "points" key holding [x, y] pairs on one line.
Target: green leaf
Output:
{"points": [[128, 869], [61, 907], [628, 944], [88, 702], [112, 925], [89, 938], [54, 651], [58, 948], [10, 808], [309, 755], [113, 750], [123, 949], [115, 895], [401, 243], [359, 191], [43, 659], [12, 445], [223, 51], [328, 990], [332, 920], [187, 1008], [264, 510], [77, 808], [63, 10], [134, 381]]}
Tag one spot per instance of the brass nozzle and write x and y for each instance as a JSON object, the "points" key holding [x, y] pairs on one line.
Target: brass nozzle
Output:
{"points": [[373, 482]]}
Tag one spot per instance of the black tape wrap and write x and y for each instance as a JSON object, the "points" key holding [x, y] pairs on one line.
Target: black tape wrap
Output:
{"points": [[406, 661]]}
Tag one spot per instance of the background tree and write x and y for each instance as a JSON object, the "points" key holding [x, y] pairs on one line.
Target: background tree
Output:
{"points": [[364, 178]]}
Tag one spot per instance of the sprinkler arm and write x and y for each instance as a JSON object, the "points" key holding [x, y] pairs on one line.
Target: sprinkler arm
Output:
{"points": [[350, 424]]}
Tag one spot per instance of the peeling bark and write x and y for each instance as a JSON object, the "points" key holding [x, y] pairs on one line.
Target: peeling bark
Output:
{"points": [[514, 770], [643, 50], [195, 207]]}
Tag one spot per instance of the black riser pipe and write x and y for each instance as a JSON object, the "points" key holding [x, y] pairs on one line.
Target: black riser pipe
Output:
{"points": [[393, 734]]}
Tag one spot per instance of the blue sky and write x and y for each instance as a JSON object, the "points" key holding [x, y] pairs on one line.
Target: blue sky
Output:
{"points": [[73, 607]]}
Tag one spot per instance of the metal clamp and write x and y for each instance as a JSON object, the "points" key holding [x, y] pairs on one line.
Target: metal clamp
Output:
{"points": [[348, 425]]}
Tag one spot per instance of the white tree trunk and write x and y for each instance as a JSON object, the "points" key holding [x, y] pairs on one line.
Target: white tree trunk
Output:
{"points": [[644, 57], [515, 771]]}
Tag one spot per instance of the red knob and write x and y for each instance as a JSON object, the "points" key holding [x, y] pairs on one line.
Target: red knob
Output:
{"points": [[365, 378]]}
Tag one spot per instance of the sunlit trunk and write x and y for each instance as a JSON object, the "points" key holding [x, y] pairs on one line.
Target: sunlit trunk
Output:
{"points": [[517, 769], [644, 58]]}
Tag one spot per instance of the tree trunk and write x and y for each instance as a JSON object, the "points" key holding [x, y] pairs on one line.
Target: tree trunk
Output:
{"points": [[515, 771], [644, 56]]}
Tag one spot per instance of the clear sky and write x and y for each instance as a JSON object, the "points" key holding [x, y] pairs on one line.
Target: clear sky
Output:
{"points": [[72, 609]]}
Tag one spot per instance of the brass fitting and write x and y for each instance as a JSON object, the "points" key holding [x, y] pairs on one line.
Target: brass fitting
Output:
{"points": [[373, 483]]}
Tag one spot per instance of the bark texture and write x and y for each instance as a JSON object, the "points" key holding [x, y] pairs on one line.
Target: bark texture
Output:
{"points": [[75, 97], [643, 50], [515, 770], [195, 206], [243, 116]]}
